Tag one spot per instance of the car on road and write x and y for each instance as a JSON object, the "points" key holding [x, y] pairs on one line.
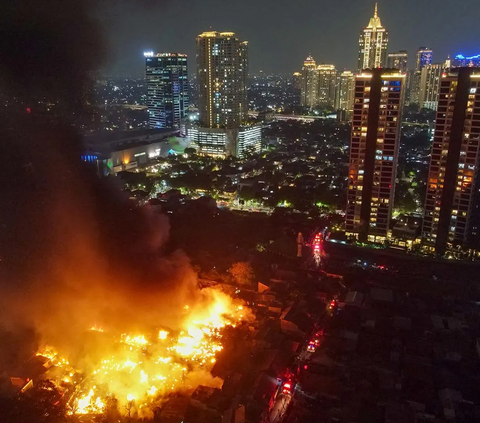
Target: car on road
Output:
{"points": [[287, 388], [311, 347]]}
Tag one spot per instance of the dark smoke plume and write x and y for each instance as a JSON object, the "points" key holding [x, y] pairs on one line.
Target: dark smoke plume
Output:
{"points": [[73, 251]]}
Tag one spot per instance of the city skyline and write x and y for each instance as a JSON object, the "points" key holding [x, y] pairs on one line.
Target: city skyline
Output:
{"points": [[280, 44], [292, 247]]}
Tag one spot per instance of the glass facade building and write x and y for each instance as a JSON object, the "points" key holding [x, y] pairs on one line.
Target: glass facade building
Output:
{"points": [[167, 89]]}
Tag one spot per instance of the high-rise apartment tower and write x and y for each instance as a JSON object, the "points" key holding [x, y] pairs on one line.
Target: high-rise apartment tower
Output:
{"points": [[309, 83], [429, 86], [345, 93], [452, 204], [222, 68], [327, 84], [374, 145]]}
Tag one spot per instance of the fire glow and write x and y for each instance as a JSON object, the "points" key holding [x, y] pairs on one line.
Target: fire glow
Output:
{"points": [[138, 369]]}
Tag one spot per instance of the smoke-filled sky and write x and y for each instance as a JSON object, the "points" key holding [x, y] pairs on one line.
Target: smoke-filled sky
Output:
{"points": [[282, 32], [73, 250]]}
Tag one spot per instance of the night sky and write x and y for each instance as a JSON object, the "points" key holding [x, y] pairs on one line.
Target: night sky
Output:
{"points": [[282, 32]]}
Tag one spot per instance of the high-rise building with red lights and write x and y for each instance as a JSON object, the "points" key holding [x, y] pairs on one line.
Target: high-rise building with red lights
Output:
{"points": [[452, 204], [376, 123]]}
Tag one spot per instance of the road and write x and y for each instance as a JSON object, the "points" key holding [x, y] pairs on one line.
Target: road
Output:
{"points": [[280, 407]]}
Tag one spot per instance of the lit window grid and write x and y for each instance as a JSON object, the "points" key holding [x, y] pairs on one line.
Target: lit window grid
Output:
{"points": [[466, 171], [222, 62], [373, 48], [167, 89], [385, 157]]}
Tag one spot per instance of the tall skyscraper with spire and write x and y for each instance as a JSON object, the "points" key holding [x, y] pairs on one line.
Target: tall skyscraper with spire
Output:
{"points": [[373, 44]]}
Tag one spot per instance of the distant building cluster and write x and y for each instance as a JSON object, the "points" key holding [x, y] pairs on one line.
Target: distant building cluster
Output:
{"points": [[322, 86], [452, 203], [371, 98], [222, 70]]}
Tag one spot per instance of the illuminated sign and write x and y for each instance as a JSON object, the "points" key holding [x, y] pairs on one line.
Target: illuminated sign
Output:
{"points": [[462, 57], [148, 53]]}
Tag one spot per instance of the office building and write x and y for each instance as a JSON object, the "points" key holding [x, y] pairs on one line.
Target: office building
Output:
{"points": [[309, 83], [327, 84], [376, 125], [222, 70], [223, 142], [423, 58], [345, 92], [167, 89], [373, 44], [429, 86], [398, 60], [466, 61], [452, 204]]}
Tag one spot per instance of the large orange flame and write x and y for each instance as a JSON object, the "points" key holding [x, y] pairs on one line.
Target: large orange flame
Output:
{"points": [[138, 369]]}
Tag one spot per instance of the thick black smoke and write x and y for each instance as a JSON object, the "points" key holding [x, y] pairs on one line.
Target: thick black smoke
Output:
{"points": [[73, 251]]}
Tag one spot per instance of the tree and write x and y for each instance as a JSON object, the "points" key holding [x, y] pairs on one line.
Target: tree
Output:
{"points": [[190, 151], [242, 273]]}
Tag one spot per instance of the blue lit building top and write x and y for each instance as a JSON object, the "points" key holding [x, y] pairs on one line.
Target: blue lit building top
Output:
{"points": [[461, 60]]}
